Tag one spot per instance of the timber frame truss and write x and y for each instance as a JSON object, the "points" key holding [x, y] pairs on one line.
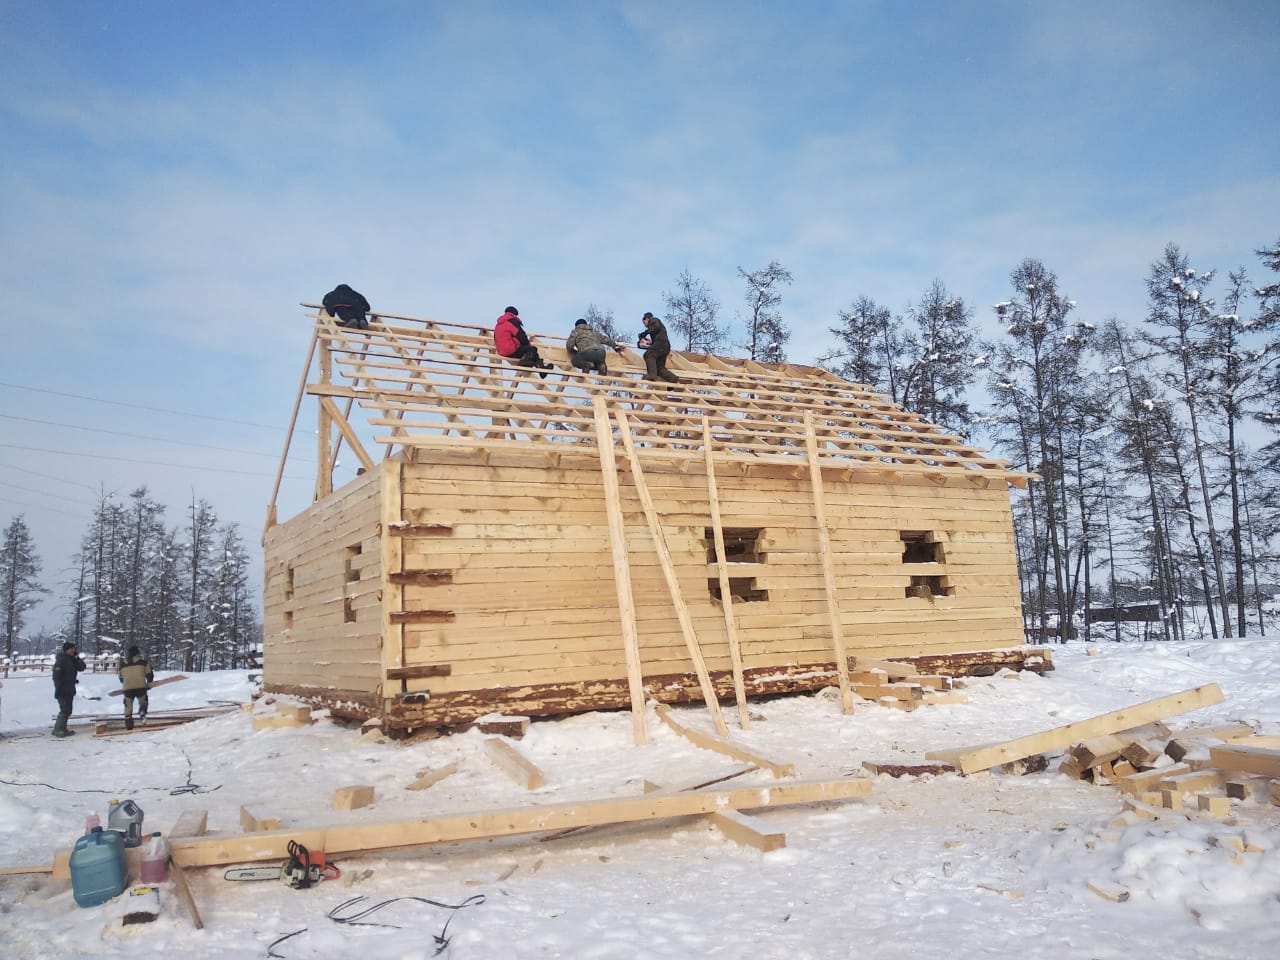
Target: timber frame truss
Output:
{"points": [[434, 384]]}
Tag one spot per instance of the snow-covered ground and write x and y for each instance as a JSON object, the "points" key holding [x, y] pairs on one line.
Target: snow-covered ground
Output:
{"points": [[970, 867]]}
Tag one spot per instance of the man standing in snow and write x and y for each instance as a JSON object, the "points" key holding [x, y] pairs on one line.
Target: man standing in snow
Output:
{"points": [[135, 673], [657, 347], [65, 668]]}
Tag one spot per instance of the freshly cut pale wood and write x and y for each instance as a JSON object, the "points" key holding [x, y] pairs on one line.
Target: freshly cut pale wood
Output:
{"points": [[154, 683], [1098, 750], [973, 759], [748, 831], [1109, 891], [722, 570], [254, 822], [191, 823], [1241, 759], [621, 569], [514, 727], [1214, 805], [828, 567], [478, 825], [353, 797], [428, 778], [709, 695], [515, 764], [1150, 779], [710, 742], [1193, 782]]}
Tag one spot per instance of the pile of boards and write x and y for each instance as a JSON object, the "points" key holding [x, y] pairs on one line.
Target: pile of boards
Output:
{"points": [[1202, 768], [900, 686]]}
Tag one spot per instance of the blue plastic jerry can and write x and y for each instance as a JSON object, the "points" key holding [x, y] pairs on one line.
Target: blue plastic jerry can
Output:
{"points": [[97, 867]]}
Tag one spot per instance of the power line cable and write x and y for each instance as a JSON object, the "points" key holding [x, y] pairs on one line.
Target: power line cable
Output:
{"points": [[139, 406], [48, 476], [45, 493], [41, 506], [138, 436], [152, 463]]}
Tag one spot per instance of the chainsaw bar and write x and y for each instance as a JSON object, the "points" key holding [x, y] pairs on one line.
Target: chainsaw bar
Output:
{"points": [[252, 873]]}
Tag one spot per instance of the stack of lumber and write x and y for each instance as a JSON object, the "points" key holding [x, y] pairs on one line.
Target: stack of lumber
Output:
{"points": [[900, 686], [112, 724], [1200, 768]]}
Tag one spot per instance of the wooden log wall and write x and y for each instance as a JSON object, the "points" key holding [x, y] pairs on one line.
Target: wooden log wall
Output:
{"points": [[520, 590], [321, 596]]}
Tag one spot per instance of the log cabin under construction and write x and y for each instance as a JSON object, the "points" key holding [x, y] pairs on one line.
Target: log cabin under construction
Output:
{"points": [[531, 546]]}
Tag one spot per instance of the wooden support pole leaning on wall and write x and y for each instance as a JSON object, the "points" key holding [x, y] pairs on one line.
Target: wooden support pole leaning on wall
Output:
{"points": [[726, 593], [673, 583], [828, 567], [293, 422], [621, 569], [324, 462]]}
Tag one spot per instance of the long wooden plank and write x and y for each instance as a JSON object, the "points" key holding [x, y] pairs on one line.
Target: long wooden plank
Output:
{"points": [[673, 583], [1243, 759], [973, 759], [154, 683], [709, 742], [828, 567], [621, 570], [726, 592], [738, 827], [190, 824], [480, 825]]}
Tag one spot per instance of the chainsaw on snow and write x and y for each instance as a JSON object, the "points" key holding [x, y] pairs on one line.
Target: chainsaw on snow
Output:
{"points": [[298, 872]]}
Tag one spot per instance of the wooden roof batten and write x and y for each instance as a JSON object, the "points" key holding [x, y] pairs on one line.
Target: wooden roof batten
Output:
{"points": [[438, 384]]}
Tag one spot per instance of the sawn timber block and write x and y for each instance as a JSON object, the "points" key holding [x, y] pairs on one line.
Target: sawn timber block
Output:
{"points": [[497, 725], [253, 822], [1241, 759], [513, 763], [353, 797]]}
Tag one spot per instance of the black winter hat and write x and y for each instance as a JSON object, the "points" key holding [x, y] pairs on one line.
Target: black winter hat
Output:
{"points": [[580, 322], [69, 645], [512, 310], [134, 651], [649, 316]]}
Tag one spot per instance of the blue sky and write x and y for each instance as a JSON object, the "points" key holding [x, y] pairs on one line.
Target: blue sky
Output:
{"points": [[178, 176]]}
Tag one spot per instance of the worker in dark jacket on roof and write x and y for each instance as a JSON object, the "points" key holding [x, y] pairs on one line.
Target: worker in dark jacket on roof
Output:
{"points": [[349, 307], [586, 347], [135, 674], [65, 668], [511, 341], [657, 347]]}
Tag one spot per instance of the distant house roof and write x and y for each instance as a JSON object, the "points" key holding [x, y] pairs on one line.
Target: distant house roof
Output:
{"points": [[429, 383]]}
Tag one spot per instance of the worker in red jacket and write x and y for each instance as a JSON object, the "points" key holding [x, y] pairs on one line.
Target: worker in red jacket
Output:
{"points": [[511, 341]]}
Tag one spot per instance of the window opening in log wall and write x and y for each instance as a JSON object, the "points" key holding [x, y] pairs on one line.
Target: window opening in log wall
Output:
{"points": [[741, 545], [352, 571], [288, 583], [922, 546]]}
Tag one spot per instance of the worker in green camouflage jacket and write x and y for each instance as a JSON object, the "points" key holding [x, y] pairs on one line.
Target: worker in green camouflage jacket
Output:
{"points": [[135, 674]]}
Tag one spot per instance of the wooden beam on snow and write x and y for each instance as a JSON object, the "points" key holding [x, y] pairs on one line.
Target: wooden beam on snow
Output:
{"points": [[709, 742], [673, 582], [828, 565], [481, 825], [1236, 758], [515, 764], [738, 827], [973, 759], [621, 569]]}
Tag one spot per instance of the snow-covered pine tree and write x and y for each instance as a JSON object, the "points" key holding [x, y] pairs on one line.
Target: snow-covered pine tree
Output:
{"points": [[19, 586], [765, 332], [692, 313], [868, 346]]}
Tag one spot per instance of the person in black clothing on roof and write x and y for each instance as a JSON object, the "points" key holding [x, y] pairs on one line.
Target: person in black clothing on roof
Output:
{"points": [[350, 307], [657, 347]]}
